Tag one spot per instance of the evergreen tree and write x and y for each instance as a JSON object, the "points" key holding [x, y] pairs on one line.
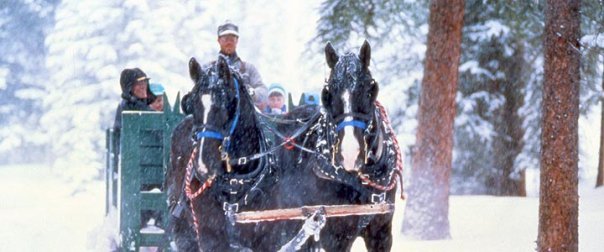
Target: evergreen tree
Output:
{"points": [[592, 52], [499, 41], [22, 77], [592, 69], [85, 62]]}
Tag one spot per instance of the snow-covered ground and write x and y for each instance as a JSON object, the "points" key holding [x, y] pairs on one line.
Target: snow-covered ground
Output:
{"points": [[39, 212]]}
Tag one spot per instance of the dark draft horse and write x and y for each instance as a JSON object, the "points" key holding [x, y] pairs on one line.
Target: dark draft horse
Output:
{"points": [[221, 164], [358, 155]]}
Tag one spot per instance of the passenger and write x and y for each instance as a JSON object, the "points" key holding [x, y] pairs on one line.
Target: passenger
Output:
{"points": [[136, 94], [228, 38], [311, 99], [276, 100], [158, 90]]}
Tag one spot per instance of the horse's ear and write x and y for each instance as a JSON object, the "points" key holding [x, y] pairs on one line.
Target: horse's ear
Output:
{"points": [[194, 69], [325, 96], [223, 68], [365, 54], [330, 55], [224, 71]]}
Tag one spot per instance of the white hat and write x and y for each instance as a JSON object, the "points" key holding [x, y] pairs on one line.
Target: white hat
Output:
{"points": [[276, 88], [228, 28]]}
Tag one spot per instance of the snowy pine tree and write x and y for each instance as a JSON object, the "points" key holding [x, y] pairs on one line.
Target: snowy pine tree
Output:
{"points": [[499, 41], [85, 62], [22, 77]]}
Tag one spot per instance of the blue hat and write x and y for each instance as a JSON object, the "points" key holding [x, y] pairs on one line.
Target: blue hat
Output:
{"points": [[276, 88], [311, 98], [157, 89]]}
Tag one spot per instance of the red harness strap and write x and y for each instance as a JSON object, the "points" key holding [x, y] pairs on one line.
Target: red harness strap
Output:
{"points": [[399, 159], [188, 190], [290, 143]]}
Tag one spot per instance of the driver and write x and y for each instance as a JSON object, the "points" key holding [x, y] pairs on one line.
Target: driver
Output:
{"points": [[228, 38]]}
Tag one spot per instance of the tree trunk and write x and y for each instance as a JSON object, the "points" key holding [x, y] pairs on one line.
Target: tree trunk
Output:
{"points": [[508, 124], [559, 200], [427, 210], [600, 177]]}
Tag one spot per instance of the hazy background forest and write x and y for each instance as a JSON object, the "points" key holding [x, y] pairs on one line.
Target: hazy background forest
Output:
{"points": [[60, 63], [59, 87]]}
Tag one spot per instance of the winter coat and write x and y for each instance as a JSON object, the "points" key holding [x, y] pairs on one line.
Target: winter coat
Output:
{"points": [[248, 72], [128, 105], [272, 111]]}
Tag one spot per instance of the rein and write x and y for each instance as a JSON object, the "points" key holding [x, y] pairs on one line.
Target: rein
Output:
{"points": [[288, 141]]}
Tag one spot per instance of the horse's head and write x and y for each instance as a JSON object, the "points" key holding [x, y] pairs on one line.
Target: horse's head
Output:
{"points": [[216, 113], [349, 98]]}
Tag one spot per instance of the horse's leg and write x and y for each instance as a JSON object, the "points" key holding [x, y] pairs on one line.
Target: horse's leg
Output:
{"points": [[339, 233], [211, 223], [378, 234], [185, 240]]}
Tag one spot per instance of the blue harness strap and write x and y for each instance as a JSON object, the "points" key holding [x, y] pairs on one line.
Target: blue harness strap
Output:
{"points": [[353, 123], [209, 134], [236, 119]]}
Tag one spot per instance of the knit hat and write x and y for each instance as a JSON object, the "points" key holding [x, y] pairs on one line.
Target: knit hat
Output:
{"points": [[228, 28], [157, 89], [139, 75], [275, 89]]}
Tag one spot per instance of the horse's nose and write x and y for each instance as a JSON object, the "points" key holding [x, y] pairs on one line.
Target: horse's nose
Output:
{"points": [[350, 153], [201, 167]]}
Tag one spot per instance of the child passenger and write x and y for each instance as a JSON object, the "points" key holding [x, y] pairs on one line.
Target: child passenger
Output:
{"points": [[276, 100], [158, 90]]}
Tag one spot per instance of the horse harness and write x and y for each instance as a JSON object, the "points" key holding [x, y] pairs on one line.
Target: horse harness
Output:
{"points": [[386, 153], [234, 190], [372, 185]]}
